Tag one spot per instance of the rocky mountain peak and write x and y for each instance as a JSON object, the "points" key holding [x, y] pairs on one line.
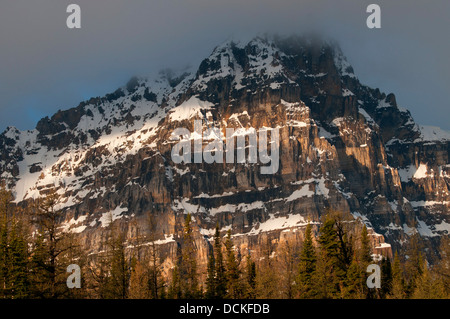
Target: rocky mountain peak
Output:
{"points": [[343, 146]]}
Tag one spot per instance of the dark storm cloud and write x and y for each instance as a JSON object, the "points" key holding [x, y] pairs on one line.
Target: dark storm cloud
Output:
{"points": [[44, 66]]}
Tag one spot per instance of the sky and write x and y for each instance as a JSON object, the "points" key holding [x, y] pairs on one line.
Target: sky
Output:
{"points": [[45, 66]]}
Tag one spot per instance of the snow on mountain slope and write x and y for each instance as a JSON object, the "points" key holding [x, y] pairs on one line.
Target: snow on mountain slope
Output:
{"points": [[433, 133], [343, 145]]}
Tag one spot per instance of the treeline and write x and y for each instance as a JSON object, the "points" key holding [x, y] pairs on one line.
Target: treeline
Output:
{"points": [[330, 262]]}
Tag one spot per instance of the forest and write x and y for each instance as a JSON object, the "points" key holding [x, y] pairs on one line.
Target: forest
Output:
{"points": [[35, 252]]}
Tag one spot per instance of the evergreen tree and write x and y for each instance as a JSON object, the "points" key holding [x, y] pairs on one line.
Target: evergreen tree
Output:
{"points": [[307, 266], [211, 277], [4, 267], [119, 270], [414, 263], [329, 270], [251, 278], [216, 276], [365, 251], [345, 255], [386, 277], [234, 287], [174, 291], [428, 286], [155, 278], [398, 284], [287, 262], [364, 257], [442, 269], [109, 269], [139, 282], [18, 264], [188, 264], [267, 282], [355, 285], [14, 266], [51, 250]]}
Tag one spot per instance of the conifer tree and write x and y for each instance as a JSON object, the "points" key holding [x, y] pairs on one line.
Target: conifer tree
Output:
{"points": [[234, 287], [14, 266], [329, 270], [307, 266], [398, 284], [355, 284], [5, 198], [139, 282], [386, 277], [120, 273], [287, 262], [365, 251], [251, 278], [442, 269], [109, 269], [211, 276], [267, 279], [155, 278], [345, 245], [51, 249], [428, 286], [217, 281], [188, 264], [174, 291], [18, 263], [414, 263], [364, 258]]}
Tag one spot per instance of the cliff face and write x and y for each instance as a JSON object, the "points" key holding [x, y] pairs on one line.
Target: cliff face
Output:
{"points": [[343, 146]]}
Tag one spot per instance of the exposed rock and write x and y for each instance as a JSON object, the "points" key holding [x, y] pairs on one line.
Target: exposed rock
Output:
{"points": [[343, 146]]}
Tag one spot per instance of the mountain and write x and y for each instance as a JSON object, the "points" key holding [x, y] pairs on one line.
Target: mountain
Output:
{"points": [[343, 146]]}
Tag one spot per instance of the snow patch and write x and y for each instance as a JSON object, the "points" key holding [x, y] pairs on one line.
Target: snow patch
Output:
{"points": [[107, 217]]}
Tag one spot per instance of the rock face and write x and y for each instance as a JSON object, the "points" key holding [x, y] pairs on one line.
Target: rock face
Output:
{"points": [[342, 145]]}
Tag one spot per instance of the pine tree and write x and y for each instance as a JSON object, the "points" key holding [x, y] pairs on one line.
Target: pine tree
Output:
{"points": [[414, 263], [52, 247], [216, 278], [174, 291], [442, 269], [119, 270], [14, 266], [428, 286], [365, 255], [267, 282], [156, 280], [188, 264], [109, 269], [364, 258], [220, 276], [211, 276], [19, 266], [329, 272], [287, 262], [139, 282], [355, 285], [234, 287], [4, 243], [345, 245], [398, 283], [251, 278], [386, 277], [307, 266]]}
